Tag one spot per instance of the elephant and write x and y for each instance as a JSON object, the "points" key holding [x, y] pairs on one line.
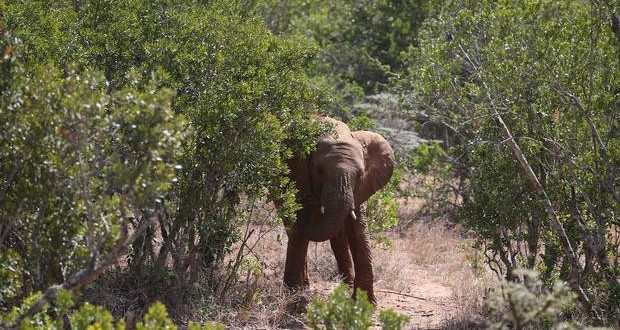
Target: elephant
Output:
{"points": [[333, 183]]}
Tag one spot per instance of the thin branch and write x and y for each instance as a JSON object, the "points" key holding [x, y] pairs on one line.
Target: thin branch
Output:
{"points": [[401, 294]]}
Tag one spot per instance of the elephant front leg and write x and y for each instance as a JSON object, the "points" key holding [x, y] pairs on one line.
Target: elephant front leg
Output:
{"points": [[362, 257], [340, 246], [296, 269]]}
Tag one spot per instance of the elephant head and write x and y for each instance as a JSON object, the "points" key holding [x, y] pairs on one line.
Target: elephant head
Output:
{"points": [[341, 174]]}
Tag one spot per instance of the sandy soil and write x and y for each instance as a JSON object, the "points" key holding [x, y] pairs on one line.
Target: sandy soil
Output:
{"points": [[428, 306]]}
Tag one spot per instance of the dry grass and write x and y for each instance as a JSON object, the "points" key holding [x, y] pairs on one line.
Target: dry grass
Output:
{"points": [[430, 261]]}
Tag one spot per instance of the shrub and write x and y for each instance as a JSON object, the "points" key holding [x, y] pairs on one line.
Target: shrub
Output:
{"points": [[520, 305], [119, 114], [82, 167], [93, 316], [391, 320], [89, 316], [360, 42], [553, 91], [342, 312]]}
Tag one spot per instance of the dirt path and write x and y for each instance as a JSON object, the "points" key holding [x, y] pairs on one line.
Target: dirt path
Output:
{"points": [[429, 305], [425, 275]]}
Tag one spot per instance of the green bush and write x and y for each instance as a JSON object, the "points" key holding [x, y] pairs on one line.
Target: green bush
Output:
{"points": [[94, 316], [156, 318], [360, 43], [522, 305], [550, 70], [529, 305], [391, 320], [382, 208], [342, 312], [89, 316], [79, 165], [115, 114], [118, 114]]}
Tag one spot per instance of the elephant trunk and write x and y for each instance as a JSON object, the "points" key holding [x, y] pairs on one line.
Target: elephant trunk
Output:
{"points": [[336, 205]]}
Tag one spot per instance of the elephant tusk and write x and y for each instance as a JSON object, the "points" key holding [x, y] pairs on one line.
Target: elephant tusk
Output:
{"points": [[353, 215], [322, 209]]}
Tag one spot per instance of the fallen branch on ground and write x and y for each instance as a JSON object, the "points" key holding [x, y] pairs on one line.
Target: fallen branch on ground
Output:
{"points": [[402, 294]]}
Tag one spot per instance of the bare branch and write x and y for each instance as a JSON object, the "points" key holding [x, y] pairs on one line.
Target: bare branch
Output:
{"points": [[401, 294]]}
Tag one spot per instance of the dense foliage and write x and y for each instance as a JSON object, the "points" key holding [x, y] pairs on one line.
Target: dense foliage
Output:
{"points": [[551, 71], [119, 114], [360, 43], [125, 123]]}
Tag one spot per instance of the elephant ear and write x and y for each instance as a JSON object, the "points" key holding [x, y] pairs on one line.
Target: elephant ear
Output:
{"points": [[379, 164]]}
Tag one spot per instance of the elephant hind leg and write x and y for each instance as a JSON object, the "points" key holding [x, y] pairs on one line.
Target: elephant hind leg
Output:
{"points": [[359, 242], [340, 247]]}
